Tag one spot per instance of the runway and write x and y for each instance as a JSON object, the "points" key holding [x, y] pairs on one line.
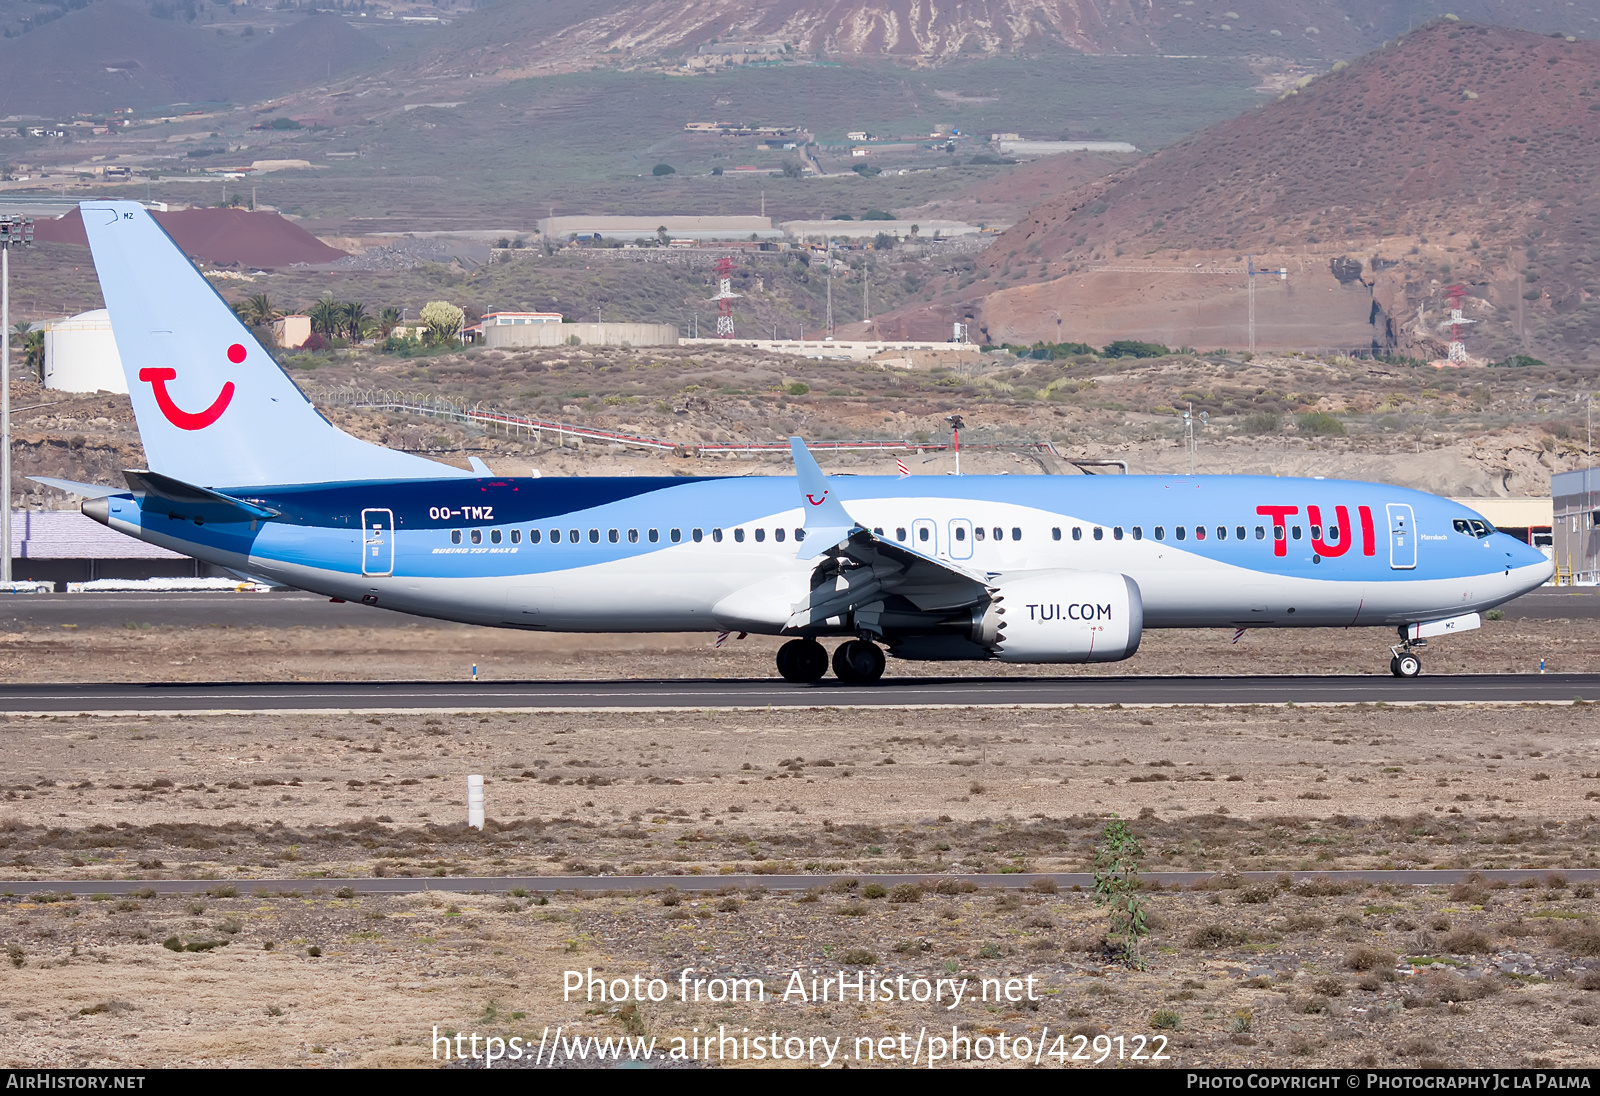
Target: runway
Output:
{"points": [[298, 610], [908, 692], [590, 884]]}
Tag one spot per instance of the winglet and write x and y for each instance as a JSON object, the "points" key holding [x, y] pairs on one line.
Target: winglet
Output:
{"points": [[826, 522]]}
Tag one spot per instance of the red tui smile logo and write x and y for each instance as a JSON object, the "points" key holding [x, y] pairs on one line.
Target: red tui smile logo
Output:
{"points": [[177, 416], [814, 501]]}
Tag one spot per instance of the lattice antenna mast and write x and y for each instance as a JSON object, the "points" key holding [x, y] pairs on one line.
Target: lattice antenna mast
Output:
{"points": [[725, 298], [1250, 269], [1457, 349]]}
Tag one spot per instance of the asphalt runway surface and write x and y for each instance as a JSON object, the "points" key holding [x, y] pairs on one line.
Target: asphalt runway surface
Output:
{"points": [[396, 696], [552, 884], [298, 610]]}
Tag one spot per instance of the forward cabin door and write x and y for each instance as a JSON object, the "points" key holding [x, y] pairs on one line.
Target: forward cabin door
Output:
{"points": [[377, 542], [1402, 537], [960, 538], [925, 537]]}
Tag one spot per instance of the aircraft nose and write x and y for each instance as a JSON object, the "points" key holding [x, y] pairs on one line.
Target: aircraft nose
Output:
{"points": [[1520, 555]]}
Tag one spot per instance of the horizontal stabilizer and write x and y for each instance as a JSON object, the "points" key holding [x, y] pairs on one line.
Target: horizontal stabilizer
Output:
{"points": [[165, 495], [72, 487]]}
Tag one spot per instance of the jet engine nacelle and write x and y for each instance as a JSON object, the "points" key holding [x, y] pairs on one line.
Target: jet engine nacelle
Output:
{"points": [[1063, 616]]}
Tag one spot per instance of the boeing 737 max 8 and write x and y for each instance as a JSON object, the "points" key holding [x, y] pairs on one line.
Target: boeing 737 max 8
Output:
{"points": [[245, 473]]}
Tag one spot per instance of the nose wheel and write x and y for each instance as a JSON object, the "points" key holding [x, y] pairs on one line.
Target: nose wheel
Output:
{"points": [[858, 662], [802, 661], [1405, 664]]}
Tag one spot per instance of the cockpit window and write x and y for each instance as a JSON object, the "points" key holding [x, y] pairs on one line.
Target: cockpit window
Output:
{"points": [[1472, 527]]}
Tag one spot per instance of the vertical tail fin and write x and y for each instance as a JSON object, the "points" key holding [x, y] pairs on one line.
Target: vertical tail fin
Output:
{"points": [[213, 406]]}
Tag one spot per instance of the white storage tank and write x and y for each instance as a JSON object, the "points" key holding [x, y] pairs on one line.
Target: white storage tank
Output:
{"points": [[80, 354]]}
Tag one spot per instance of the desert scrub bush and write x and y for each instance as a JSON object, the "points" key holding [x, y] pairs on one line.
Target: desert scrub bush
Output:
{"points": [[858, 957], [905, 892], [1116, 887], [1366, 958], [1241, 1021], [1217, 936], [1467, 942], [1304, 922], [852, 908], [1257, 894], [1319, 424], [954, 886], [1166, 1019], [874, 890], [1580, 939], [728, 905], [671, 897]]}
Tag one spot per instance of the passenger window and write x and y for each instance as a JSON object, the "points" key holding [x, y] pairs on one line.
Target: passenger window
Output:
{"points": [[1138, 532], [761, 535], [1055, 533], [1277, 532], [455, 536], [1333, 534], [961, 533], [594, 536], [977, 534], [999, 533], [878, 532], [1239, 533], [1161, 533], [1077, 532], [574, 536], [516, 536], [1099, 533], [900, 533], [1116, 532], [1260, 532], [1181, 532], [494, 536], [1199, 532], [534, 536], [477, 536], [1316, 532], [716, 535], [633, 536], [922, 534], [654, 536], [738, 535], [1222, 532], [777, 534], [1016, 533], [799, 534], [1294, 531]]}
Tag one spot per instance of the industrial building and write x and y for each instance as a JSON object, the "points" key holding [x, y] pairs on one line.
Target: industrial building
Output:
{"points": [[1575, 497], [580, 334], [63, 546], [291, 332], [646, 228], [80, 354], [855, 230]]}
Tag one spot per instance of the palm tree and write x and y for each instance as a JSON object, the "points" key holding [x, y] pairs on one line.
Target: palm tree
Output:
{"points": [[327, 317], [356, 321], [33, 352], [258, 311], [388, 320]]}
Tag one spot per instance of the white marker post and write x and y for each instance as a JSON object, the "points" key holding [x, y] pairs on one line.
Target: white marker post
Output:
{"points": [[475, 802]]}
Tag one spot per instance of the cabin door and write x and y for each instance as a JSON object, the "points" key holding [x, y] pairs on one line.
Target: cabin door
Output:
{"points": [[925, 537], [377, 542], [1402, 537]]}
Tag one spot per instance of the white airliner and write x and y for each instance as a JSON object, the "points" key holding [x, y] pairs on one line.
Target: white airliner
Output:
{"points": [[245, 473]]}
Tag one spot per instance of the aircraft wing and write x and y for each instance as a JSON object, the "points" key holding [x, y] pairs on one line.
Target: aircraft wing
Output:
{"points": [[861, 569]]}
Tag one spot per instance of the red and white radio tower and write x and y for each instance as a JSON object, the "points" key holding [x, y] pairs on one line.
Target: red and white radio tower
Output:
{"points": [[724, 298], [1457, 351]]}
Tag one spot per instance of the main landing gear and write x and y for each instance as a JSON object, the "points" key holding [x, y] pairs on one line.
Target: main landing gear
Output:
{"points": [[804, 661]]}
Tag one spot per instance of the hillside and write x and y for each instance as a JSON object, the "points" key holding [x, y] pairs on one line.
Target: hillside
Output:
{"points": [[512, 39], [113, 54], [1462, 154]]}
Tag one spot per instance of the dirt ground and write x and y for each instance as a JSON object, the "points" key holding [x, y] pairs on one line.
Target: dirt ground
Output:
{"points": [[1233, 975], [412, 649]]}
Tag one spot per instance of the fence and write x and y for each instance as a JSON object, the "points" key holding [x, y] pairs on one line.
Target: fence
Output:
{"points": [[441, 407]]}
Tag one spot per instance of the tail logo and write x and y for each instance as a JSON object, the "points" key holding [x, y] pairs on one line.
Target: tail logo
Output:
{"points": [[814, 501], [177, 416]]}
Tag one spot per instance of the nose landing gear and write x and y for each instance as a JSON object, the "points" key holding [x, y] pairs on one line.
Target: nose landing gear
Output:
{"points": [[1404, 663]]}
